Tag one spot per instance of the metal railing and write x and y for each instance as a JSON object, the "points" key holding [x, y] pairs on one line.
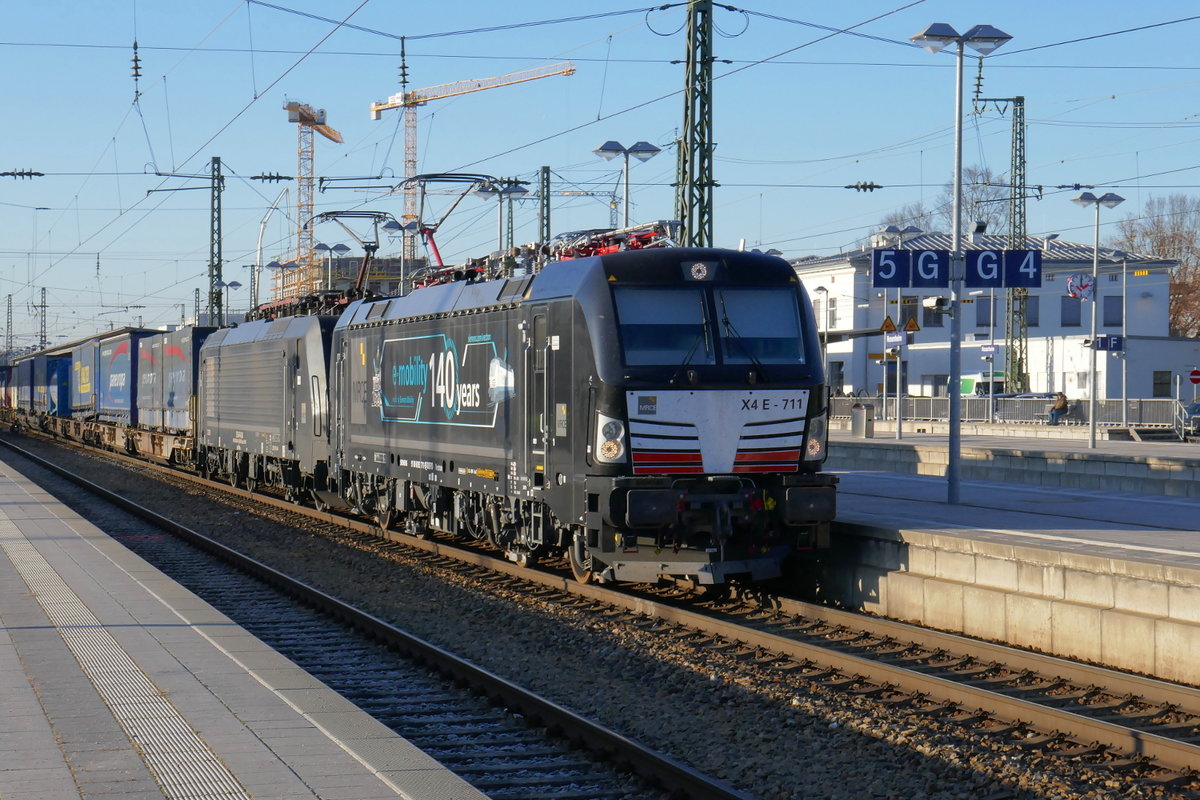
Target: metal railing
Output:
{"points": [[1147, 413]]}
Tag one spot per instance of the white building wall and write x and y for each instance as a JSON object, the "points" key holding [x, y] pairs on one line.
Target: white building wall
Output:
{"points": [[1057, 357]]}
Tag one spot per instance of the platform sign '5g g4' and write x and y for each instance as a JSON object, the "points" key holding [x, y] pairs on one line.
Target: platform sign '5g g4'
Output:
{"points": [[984, 269]]}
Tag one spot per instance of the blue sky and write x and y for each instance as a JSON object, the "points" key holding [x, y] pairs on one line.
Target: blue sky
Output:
{"points": [[800, 113]]}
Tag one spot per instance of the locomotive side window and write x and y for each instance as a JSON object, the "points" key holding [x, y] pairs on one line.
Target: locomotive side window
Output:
{"points": [[759, 325], [664, 326], [318, 406]]}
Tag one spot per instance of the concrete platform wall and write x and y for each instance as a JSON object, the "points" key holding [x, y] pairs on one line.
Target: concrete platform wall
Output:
{"points": [[1135, 616], [1175, 476]]}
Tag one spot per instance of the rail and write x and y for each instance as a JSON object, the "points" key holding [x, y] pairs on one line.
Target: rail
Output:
{"points": [[607, 745], [934, 690]]}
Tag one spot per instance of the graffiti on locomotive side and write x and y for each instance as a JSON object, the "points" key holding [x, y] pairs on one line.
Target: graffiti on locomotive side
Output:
{"points": [[435, 380]]}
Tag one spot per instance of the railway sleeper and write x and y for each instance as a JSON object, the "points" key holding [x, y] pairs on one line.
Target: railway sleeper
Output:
{"points": [[1165, 779], [1043, 743]]}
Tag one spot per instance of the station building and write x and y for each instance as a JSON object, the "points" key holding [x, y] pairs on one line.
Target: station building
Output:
{"points": [[1133, 296]]}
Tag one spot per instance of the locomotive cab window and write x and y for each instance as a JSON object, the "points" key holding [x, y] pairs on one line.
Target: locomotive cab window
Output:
{"points": [[759, 325], [708, 325], [664, 326]]}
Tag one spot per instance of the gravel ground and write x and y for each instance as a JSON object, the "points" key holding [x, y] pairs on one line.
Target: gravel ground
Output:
{"points": [[776, 737]]}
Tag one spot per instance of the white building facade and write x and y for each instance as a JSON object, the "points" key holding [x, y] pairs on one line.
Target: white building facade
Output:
{"points": [[1133, 296]]}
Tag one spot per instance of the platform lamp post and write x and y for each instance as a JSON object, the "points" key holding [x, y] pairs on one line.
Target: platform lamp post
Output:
{"points": [[329, 250], [394, 228], [219, 285], [1108, 200], [983, 39], [501, 189], [824, 292], [642, 151], [511, 191]]}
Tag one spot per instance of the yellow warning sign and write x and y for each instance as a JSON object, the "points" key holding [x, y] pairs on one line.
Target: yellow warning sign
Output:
{"points": [[888, 326], [911, 325]]}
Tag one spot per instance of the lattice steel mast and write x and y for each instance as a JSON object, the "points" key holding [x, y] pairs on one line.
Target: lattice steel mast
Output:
{"points": [[216, 301], [1016, 318], [694, 168], [1016, 331]]}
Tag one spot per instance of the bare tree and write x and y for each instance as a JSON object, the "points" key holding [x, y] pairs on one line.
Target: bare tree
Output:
{"points": [[914, 214], [1169, 227], [985, 199]]}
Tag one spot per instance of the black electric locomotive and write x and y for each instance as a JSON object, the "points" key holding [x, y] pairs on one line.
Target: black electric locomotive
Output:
{"points": [[652, 413]]}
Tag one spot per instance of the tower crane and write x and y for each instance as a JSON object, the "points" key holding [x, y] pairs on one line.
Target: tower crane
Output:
{"points": [[411, 100], [308, 120]]}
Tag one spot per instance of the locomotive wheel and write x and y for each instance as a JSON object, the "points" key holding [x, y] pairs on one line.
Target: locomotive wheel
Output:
{"points": [[581, 563]]}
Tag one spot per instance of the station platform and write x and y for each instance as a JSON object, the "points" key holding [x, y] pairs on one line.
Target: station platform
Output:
{"points": [[1029, 454], [1059, 548], [116, 681]]}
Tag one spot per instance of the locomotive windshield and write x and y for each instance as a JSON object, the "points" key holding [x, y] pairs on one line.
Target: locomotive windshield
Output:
{"points": [[669, 326], [759, 326]]}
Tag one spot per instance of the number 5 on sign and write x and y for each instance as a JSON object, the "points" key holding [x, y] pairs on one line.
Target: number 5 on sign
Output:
{"points": [[890, 269], [1022, 268]]}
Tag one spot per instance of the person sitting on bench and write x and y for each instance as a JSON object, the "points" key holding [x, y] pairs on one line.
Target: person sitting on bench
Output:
{"points": [[1059, 409]]}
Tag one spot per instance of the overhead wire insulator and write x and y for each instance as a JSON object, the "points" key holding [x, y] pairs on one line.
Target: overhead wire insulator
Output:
{"points": [[864, 186], [136, 62], [21, 173], [271, 177]]}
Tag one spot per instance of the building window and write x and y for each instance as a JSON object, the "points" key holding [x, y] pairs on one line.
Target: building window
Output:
{"points": [[931, 319], [836, 379], [1033, 310], [984, 308], [832, 311], [1114, 307], [1071, 312], [935, 385], [1081, 380], [1161, 383]]}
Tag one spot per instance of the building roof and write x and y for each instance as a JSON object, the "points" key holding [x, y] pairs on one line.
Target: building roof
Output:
{"points": [[1054, 251]]}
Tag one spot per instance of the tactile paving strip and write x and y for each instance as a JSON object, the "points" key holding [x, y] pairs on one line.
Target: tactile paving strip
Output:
{"points": [[184, 766]]}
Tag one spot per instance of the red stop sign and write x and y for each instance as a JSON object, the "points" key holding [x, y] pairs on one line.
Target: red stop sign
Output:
{"points": [[1194, 377]]}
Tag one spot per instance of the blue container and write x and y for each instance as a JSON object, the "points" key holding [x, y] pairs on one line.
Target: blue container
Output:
{"points": [[52, 384], [24, 384], [149, 390], [118, 377], [8, 387], [85, 374], [178, 371]]}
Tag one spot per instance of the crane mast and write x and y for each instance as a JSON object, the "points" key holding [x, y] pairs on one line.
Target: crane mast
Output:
{"points": [[411, 100], [306, 276]]}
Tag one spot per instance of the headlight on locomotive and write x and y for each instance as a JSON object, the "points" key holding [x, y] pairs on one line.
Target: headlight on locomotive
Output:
{"points": [[610, 440], [814, 445]]}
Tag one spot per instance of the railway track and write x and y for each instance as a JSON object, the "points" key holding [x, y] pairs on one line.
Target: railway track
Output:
{"points": [[508, 742], [1125, 725]]}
